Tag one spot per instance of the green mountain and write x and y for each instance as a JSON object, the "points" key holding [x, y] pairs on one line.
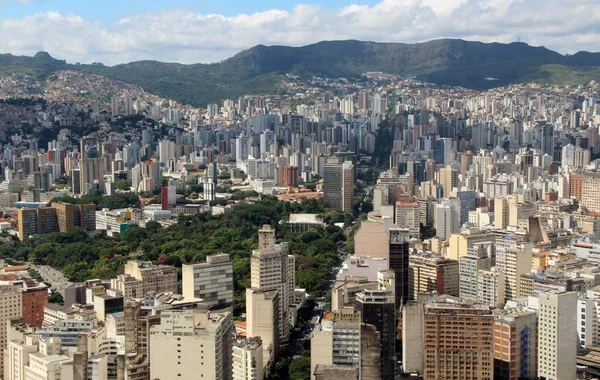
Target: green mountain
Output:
{"points": [[259, 69]]}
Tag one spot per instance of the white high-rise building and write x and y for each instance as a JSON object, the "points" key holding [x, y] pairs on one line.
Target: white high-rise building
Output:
{"points": [[447, 218], [166, 150], [271, 268], [587, 321], [513, 257], [248, 360], [191, 344], [557, 339], [211, 281]]}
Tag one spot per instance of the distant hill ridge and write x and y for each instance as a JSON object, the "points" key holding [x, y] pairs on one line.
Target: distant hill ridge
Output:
{"points": [[259, 69]]}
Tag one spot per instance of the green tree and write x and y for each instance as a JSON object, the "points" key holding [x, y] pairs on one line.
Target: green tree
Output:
{"points": [[123, 184], [300, 369]]}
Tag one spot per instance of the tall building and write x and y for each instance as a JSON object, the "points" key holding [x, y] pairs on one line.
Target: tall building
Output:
{"points": [[272, 268], [513, 257], [377, 308], [458, 340], [191, 344], [363, 100], [515, 344], [447, 218], [557, 335], [590, 183], [448, 180], [337, 340], [399, 264], [263, 319], [211, 281], [156, 278], [247, 359], [430, 272], [114, 106], [34, 298], [10, 308], [290, 176], [338, 184], [91, 171], [491, 286], [479, 257], [408, 215]]}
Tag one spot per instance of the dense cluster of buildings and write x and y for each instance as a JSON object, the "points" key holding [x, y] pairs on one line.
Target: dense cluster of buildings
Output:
{"points": [[137, 325], [479, 260]]}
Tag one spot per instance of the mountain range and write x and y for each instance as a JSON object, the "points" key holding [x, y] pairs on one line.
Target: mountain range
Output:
{"points": [[259, 69]]}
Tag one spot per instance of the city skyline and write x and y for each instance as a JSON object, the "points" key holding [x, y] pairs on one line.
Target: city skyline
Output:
{"points": [[202, 32]]}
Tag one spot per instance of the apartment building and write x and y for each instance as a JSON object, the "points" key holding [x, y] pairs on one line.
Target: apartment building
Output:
{"points": [[191, 344], [156, 278]]}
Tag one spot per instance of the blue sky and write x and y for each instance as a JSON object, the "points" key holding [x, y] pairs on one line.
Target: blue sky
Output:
{"points": [[188, 31], [109, 11]]}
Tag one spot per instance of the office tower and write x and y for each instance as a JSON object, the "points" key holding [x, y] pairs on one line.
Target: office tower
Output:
{"points": [[191, 344], [156, 278], [557, 335], [114, 106], [91, 175], [448, 180], [69, 216], [408, 215], [399, 264], [377, 308], [211, 281], [432, 273], [10, 299], [290, 176], [513, 257], [272, 268], [247, 359], [515, 344], [263, 318], [479, 257], [447, 218], [338, 184], [336, 341], [458, 340], [491, 287], [546, 138]]}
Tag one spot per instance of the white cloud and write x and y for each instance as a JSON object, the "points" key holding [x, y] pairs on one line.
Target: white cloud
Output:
{"points": [[178, 35]]}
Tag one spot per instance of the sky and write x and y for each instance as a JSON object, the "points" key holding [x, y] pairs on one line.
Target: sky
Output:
{"points": [[119, 31]]}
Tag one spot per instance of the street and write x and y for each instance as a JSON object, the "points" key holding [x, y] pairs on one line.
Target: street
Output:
{"points": [[57, 280]]}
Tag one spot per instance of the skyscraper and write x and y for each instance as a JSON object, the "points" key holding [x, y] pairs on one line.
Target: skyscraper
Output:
{"points": [[557, 338], [338, 184], [399, 263], [272, 268], [377, 308]]}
